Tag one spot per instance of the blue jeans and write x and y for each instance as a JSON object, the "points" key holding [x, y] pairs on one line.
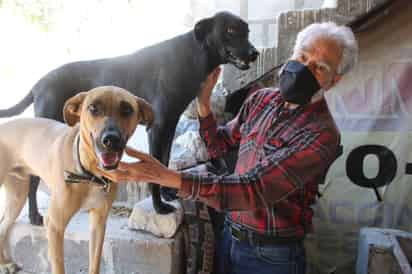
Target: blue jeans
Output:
{"points": [[239, 257]]}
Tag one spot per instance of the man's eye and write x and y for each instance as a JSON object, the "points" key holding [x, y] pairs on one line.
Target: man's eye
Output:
{"points": [[321, 68], [93, 109]]}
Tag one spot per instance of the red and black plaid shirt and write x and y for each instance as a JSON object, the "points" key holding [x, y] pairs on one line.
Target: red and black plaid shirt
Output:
{"points": [[283, 156]]}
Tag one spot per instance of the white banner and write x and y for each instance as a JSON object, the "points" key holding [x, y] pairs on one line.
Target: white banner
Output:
{"points": [[373, 110]]}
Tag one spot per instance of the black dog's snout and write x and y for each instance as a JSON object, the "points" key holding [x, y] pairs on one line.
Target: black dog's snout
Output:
{"points": [[112, 140], [253, 54]]}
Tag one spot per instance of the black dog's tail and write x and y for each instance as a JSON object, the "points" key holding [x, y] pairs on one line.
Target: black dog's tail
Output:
{"points": [[18, 108]]}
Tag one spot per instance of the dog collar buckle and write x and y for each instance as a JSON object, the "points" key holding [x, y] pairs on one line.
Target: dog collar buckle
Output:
{"points": [[106, 183], [74, 178]]}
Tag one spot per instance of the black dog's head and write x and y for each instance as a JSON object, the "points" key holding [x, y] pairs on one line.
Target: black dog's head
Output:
{"points": [[227, 36]]}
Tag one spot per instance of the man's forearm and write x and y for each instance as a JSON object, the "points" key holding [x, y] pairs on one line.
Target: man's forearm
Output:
{"points": [[203, 109]]}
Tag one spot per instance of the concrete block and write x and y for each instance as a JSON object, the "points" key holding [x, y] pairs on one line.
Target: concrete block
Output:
{"points": [[145, 218], [124, 251]]}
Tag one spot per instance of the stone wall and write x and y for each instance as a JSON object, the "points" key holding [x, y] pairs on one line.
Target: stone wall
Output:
{"points": [[259, 14], [289, 23]]}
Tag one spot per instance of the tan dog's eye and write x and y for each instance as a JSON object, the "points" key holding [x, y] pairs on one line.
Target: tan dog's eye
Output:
{"points": [[93, 109], [126, 109]]}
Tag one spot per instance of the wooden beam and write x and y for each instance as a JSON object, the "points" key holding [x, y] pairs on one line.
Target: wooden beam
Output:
{"points": [[244, 9]]}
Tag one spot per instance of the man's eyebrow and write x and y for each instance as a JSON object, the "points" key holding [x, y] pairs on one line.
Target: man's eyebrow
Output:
{"points": [[321, 62], [305, 51], [326, 65]]}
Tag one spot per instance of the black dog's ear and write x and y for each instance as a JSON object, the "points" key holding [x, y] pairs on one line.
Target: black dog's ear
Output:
{"points": [[145, 112], [72, 108], [202, 28]]}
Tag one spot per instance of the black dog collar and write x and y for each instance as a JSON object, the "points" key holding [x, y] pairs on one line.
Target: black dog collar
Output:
{"points": [[82, 175]]}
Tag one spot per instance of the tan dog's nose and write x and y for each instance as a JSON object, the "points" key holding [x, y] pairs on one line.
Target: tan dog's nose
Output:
{"points": [[111, 140]]}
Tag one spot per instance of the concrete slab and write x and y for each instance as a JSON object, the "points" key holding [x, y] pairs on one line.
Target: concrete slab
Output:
{"points": [[124, 251]]}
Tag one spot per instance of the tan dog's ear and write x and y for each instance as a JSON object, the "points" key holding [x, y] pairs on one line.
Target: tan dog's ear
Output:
{"points": [[146, 113], [72, 108]]}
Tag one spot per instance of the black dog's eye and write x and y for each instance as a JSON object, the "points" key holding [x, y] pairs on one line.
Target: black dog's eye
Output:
{"points": [[126, 109], [230, 30], [93, 109]]}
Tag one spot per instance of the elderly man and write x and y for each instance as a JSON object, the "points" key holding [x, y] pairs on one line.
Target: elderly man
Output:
{"points": [[287, 141]]}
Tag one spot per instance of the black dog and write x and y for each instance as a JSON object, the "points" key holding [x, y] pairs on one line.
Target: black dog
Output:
{"points": [[168, 75]]}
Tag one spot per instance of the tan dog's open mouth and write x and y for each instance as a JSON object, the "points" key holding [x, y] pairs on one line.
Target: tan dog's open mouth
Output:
{"points": [[110, 160]]}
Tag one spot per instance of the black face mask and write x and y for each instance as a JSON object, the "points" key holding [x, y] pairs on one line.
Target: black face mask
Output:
{"points": [[297, 83]]}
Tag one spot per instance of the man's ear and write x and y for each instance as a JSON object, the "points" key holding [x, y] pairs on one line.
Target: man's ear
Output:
{"points": [[72, 108], [202, 28], [333, 83], [145, 112], [336, 79]]}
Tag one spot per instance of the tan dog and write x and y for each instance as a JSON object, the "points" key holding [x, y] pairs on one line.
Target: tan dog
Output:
{"points": [[66, 159]]}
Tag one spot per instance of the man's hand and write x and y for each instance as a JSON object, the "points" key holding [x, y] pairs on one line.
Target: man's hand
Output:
{"points": [[148, 169], [203, 100]]}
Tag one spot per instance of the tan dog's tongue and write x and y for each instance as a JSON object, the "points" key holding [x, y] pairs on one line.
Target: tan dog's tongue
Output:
{"points": [[110, 158]]}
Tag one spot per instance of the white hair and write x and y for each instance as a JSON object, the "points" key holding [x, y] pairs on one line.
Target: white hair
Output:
{"points": [[341, 34]]}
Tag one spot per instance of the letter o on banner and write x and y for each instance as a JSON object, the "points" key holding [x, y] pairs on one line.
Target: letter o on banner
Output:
{"points": [[387, 166]]}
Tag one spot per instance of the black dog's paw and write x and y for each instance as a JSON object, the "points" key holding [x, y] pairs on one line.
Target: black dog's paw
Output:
{"points": [[164, 208], [36, 219], [169, 194]]}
